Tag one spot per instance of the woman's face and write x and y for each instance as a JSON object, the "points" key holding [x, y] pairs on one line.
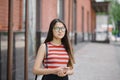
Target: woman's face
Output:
{"points": [[59, 30]]}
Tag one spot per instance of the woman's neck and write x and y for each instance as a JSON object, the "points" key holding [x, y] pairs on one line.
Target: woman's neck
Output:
{"points": [[56, 42]]}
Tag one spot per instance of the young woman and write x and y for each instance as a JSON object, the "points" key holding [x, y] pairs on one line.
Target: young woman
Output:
{"points": [[58, 63]]}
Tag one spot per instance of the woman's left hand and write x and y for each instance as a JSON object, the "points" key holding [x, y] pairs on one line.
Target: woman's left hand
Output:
{"points": [[63, 72]]}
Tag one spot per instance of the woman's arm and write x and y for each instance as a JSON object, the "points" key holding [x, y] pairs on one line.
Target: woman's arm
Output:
{"points": [[38, 63]]}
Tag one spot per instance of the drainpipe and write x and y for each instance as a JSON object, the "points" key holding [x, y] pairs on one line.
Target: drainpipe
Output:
{"points": [[26, 42], [0, 57], [10, 40], [69, 16]]}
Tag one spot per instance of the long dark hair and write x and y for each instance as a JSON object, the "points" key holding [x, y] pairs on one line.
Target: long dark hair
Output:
{"points": [[65, 40]]}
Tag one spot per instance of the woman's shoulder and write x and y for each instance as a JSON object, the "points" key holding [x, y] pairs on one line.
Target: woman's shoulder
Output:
{"points": [[42, 45]]}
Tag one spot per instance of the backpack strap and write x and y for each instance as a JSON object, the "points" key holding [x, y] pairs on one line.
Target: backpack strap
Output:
{"points": [[46, 52]]}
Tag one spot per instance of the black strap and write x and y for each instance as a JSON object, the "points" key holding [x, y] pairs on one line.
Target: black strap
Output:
{"points": [[46, 52], [46, 57], [35, 77]]}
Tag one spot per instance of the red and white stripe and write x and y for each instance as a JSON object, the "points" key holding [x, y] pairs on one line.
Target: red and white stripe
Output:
{"points": [[57, 56]]}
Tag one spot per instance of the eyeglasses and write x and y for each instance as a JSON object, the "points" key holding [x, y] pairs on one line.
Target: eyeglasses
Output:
{"points": [[59, 28]]}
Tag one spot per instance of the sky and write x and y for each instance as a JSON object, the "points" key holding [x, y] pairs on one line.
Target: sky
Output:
{"points": [[103, 0], [99, 0]]}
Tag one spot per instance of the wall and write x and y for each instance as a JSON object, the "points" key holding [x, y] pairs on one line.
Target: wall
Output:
{"points": [[48, 13], [3, 14], [83, 19], [17, 14]]}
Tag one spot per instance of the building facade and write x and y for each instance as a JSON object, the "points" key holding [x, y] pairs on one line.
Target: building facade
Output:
{"points": [[78, 15], [32, 18]]}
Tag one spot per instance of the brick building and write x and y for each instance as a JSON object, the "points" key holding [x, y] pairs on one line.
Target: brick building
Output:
{"points": [[78, 15], [17, 14]]}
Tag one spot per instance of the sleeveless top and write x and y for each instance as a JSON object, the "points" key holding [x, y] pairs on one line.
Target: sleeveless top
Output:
{"points": [[57, 56]]}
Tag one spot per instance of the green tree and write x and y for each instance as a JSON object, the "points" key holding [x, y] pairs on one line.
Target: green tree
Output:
{"points": [[115, 14], [115, 10]]}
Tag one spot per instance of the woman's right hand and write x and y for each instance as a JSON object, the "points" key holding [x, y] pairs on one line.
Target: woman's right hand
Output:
{"points": [[62, 71]]}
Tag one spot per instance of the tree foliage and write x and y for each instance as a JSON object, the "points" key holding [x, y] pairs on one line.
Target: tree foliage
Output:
{"points": [[115, 10]]}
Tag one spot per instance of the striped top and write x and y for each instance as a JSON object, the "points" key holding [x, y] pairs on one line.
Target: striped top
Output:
{"points": [[57, 56]]}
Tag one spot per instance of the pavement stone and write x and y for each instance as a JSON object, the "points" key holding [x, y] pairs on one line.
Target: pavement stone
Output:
{"points": [[94, 61], [97, 61]]}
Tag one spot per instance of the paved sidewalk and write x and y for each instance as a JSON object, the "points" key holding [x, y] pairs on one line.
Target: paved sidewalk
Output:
{"points": [[96, 61]]}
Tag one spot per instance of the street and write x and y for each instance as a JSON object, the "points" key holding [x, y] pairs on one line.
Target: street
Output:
{"points": [[96, 61]]}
